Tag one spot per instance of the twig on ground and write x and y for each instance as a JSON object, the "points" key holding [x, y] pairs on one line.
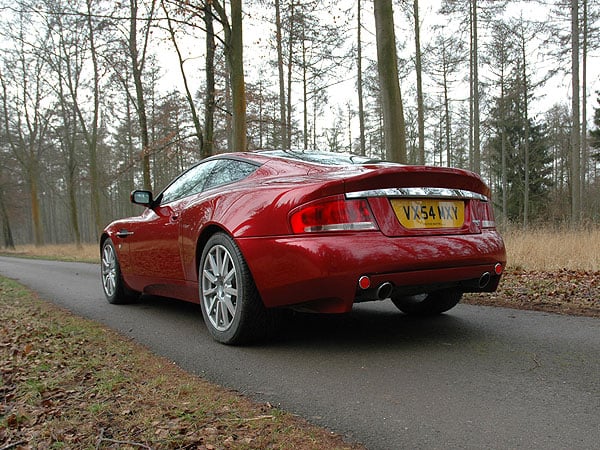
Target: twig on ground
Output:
{"points": [[102, 439], [13, 445]]}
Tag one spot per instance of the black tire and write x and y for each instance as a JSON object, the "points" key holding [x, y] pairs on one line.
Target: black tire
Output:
{"points": [[113, 286], [430, 304], [231, 305]]}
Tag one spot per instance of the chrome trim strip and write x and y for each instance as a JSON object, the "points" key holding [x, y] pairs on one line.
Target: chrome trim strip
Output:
{"points": [[413, 192]]}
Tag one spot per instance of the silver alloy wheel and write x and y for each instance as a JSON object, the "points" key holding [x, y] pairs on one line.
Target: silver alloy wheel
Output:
{"points": [[109, 270], [220, 287]]}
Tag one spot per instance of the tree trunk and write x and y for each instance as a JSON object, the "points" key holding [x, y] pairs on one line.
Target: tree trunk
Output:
{"points": [[476, 143], [235, 62], [38, 231], [92, 137], [504, 146], [238, 86], [526, 130], [361, 108], [137, 66], [447, 121], [584, 137], [575, 133], [393, 114], [6, 230], [420, 107], [188, 94], [209, 97], [288, 143], [282, 109], [304, 92]]}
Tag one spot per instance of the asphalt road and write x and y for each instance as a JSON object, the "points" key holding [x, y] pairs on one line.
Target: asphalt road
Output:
{"points": [[476, 377]]}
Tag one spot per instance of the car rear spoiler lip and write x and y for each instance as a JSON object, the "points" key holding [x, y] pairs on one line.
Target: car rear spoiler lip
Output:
{"points": [[418, 192]]}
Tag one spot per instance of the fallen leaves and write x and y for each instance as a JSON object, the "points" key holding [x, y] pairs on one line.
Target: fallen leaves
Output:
{"points": [[66, 382], [562, 291]]}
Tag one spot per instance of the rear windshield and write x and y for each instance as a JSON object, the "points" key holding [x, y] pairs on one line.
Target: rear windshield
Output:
{"points": [[329, 159]]}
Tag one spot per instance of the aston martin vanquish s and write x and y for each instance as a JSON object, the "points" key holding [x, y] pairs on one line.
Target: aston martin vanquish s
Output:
{"points": [[247, 234]]}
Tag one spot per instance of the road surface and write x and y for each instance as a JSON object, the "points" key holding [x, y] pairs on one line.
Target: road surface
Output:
{"points": [[476, 377]]}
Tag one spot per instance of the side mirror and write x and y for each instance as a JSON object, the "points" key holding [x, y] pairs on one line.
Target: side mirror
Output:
{"points": [[143, 198]]}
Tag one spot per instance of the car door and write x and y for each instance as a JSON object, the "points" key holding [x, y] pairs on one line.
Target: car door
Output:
{"points": [[155, 239]]}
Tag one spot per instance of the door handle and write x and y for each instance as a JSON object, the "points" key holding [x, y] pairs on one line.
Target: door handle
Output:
{"points": [[124, 233]]}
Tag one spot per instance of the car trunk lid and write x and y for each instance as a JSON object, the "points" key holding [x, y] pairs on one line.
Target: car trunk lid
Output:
{"points": [[423, 200]]}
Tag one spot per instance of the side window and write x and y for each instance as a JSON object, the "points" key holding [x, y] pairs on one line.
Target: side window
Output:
{"points": [[227, 171], [189, 183]]}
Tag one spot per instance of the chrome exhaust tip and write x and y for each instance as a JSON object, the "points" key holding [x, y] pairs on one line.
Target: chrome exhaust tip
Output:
{"points": [[484, 280], [384, 290]]}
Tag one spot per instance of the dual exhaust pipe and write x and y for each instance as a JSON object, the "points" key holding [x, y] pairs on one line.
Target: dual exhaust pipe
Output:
{"points": [[384, 290]]}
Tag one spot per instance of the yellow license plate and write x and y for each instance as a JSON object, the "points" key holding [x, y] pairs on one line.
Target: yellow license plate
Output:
{"points": [[429, 213]]}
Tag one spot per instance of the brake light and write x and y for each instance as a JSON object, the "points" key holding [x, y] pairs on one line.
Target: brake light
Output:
{"points": [[483, 212], [337, 214]]}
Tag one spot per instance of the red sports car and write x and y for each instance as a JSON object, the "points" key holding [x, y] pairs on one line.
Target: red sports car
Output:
{"points": [[245, 234]]}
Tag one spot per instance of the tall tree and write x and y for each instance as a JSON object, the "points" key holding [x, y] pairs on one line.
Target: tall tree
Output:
{"points": [[575, 130], [188, 93], [419, 70], [235, 61], [474, 11], [446, 58], [387, 66], [65, 52], [26, 131], [316, 57], [282, 105], [476, 161], [138, 61], [210, 96], [508, 126], [7, 236], [501, 54], [359, 82]]}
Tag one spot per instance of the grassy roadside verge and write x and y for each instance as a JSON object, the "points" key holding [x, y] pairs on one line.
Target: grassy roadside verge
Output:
{"points": [[66, 382]]}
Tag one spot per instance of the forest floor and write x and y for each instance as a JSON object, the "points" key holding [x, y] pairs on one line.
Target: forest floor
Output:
{"points": [[562, 291], [69, 383]]}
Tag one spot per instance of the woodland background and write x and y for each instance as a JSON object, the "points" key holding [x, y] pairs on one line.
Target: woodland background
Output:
{"points": [[100, 97]]}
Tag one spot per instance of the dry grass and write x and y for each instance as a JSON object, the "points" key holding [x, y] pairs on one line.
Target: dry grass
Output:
{"points": [[546, 249], [60, 252]]}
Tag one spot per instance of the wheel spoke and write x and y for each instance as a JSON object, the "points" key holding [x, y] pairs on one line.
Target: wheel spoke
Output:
{"points": [[212, 304], [231, 291], [230, 306], [210, 276], [210, 290], [224, 263], [230, 275], [223, 319], [214, 269]]}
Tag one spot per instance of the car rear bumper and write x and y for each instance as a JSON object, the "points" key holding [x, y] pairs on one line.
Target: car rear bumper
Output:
{"points": [[322, 271]]}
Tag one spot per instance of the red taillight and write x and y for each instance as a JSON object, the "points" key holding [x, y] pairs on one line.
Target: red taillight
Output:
{"points": [[337, 214], [498, 269], [483, 213]]}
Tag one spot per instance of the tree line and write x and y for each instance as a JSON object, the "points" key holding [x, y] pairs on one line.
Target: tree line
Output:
{"points": [[89, 110]]}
